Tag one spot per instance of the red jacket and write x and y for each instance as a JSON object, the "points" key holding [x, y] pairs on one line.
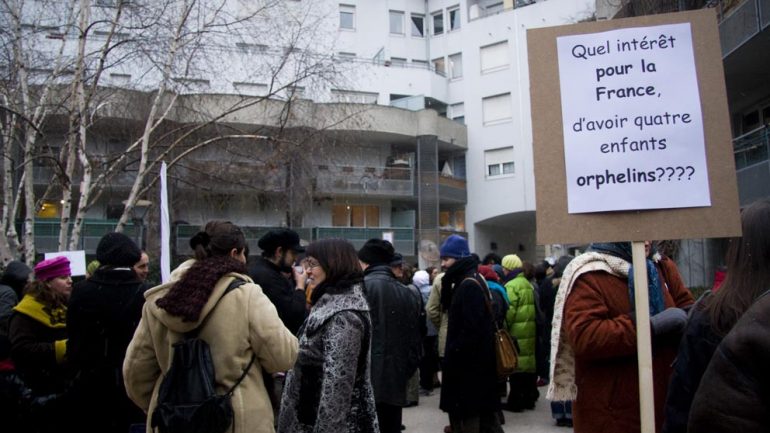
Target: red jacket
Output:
{"points": [[603, 336]]}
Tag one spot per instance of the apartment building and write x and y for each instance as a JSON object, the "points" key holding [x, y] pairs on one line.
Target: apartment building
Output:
{"points": [[434, 136]]}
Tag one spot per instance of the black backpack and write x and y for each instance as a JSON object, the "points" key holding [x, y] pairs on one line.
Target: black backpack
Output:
{"points": [[187, 399]]}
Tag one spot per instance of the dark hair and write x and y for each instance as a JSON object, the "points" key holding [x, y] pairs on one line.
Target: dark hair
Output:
{"points": [[212, 246], [528, 269], [408, 273], [339, 260], [492, 259], [748, 269]]}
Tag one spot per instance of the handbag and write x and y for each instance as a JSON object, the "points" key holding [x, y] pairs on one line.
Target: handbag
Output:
{"points": [[506, 354]]}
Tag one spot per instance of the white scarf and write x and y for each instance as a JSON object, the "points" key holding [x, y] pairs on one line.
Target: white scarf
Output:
{"points": [[562, 386]]}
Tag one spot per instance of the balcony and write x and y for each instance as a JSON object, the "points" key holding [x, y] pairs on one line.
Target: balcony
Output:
{"points": [[229, 176], [752, 163], [483, 8], [452, 190], [740, 23], [351, 180], [403, 238]]}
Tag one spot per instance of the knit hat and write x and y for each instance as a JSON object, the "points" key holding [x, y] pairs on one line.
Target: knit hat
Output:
{"points": [[92, 267], [376, 252], [52, 268], [398, 260], [511, 262], [488, 273], [421, 278], [118, 250], [455, 247]]}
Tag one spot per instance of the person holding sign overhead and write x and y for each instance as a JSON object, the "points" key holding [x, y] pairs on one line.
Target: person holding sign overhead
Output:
{"points": [[594, 353]]}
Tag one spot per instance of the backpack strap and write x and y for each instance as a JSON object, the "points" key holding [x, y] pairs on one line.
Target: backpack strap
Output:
{"points": [[237, 282], [243, 375]]}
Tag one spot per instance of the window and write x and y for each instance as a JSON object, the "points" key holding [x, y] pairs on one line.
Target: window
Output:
{"points": [[457, 112], [439, 66], [438, 22], [120, 79], [354, 96], [251, 48], [454, 18], [456, 65], [418, 26], [496, 109], [347, 17], [398, 61], [494, 57], [422, 64], [493, 8], [396, 23], [355, 215], [250, 89], [499, 162], [346, 56]]}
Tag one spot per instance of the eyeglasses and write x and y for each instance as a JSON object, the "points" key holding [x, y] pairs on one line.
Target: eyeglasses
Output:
{"points": [[310, 264]]}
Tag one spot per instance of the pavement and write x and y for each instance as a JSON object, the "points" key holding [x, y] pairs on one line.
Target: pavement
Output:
{"points": [[426, 417]]}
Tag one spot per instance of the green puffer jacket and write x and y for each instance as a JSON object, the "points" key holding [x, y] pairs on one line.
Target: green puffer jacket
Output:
{"points": [[520, 320]]}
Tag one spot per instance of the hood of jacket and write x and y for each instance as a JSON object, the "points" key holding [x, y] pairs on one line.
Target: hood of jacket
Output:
{"points": [[332, 303], [177, 323]]}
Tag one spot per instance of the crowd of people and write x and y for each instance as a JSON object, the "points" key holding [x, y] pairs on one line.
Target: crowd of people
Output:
{"points": [[327, 338]]}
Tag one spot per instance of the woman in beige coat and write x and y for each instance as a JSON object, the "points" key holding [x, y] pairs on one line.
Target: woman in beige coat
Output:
{"points": [[241, 324]]}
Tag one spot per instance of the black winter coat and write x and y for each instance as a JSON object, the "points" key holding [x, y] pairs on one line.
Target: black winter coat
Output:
{"points": [[290, 303], [695, 351], [396, 335], [469, 381], [103, 313], [733, 395]]}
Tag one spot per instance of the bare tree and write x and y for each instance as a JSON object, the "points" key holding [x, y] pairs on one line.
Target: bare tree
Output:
{"points": [[145, 63]]}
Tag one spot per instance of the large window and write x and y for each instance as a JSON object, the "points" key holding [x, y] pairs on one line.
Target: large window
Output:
{"points": [[396, 22], [355, 215], [347, 17], [456, 65], [499, 162], [457, 112], [418, 25], [494, 57], [496, 109], [454, 18], [438, 22], [439, 66]]}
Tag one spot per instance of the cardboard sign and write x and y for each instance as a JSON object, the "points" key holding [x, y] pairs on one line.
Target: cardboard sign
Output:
{"points": [[631, 120], [631, 139]]}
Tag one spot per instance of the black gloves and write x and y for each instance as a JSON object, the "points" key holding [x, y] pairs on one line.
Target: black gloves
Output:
{"points": [[669, 320]]}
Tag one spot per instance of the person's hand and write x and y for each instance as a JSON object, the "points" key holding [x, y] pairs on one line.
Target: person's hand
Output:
{"points": [[300, 277], [669, 320]]}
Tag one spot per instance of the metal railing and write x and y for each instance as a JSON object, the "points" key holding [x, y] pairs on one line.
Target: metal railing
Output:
{"points": [[390, 181], [752, 148], [484, 12], [47, 234]]}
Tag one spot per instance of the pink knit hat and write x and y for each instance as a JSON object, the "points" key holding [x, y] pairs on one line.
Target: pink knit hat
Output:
{"points": [[52, 268]]}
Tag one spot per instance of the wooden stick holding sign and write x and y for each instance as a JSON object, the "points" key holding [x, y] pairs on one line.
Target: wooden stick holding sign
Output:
{"points": [[643, 338], [631, 139]]}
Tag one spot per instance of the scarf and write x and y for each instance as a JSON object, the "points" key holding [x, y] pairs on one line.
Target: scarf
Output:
{"points": [[562, 386], [51, 317], [622, 250]]}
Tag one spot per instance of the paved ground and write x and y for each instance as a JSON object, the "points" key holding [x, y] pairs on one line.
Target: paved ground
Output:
{"points": [[428, 418]]}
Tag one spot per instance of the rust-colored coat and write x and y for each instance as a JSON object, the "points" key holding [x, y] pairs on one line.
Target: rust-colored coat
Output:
{"points": [[603, 336]]}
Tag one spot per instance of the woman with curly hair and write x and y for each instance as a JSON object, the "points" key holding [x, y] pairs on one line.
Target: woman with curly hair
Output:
{"points": [[239, 325], [329, 390]]}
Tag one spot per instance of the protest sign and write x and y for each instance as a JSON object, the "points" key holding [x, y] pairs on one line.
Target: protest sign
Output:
{"points": [[631, 131], [77, 260]]}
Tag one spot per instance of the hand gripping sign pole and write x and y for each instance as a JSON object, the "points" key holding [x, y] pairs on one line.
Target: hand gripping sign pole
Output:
{"points": [[643, 338]]}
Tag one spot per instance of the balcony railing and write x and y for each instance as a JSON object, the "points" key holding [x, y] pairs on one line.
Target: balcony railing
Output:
{"points": [[752, 163], [740, 21], [388, 181], [477, 10], [452, 189], [47, 234]]}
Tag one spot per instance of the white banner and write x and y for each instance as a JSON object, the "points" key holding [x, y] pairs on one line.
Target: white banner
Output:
{"points": [[77, 260], [633, 129], [165, 228]]}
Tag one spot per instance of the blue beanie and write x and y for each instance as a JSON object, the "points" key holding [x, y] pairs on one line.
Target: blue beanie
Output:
{"points": [[455, 247]]}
